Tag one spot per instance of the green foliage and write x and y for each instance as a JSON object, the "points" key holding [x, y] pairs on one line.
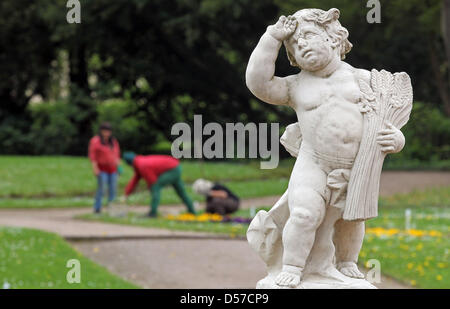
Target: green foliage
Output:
{"points": [[185, 58], [427, 137], [51, 130], [33, 259], [14, 136], [25, 55], [131, 128]]}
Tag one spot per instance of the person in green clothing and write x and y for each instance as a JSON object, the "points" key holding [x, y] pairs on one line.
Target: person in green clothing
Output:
{"points": [[158, 171]]}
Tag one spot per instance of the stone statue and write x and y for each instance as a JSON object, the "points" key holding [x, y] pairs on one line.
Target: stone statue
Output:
{"points": [[348, 120]]}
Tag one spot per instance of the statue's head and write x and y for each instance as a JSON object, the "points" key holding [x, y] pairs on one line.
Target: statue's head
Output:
{"points": [[318, 38]]}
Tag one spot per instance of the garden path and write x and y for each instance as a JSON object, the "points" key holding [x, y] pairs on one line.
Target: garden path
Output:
{"points": [[157, 258]]}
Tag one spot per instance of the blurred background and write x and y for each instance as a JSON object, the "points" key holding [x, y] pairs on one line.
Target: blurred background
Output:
{"points": [[144, 65]]}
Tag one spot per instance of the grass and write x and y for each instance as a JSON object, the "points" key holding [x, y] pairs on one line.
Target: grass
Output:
{"points": [[33, 259], [229, 229], [62, 181], [64, 176], [244, 189], [421, 261]]}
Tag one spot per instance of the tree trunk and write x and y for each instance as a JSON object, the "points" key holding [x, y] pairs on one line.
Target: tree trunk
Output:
{"points": [[445, 22], [440, 79], [78, 67], [446, 26]]}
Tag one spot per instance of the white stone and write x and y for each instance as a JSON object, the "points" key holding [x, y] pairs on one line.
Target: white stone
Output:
{"points": [[348, 120]]}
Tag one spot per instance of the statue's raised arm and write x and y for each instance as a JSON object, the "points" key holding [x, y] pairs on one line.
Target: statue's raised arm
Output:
{"points": [[260, 72], [349, 119]]}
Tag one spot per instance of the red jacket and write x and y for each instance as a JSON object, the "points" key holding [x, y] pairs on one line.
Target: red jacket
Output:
{"points": [[149, 168], [106, 157]]}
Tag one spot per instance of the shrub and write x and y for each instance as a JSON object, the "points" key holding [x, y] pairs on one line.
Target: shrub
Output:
{"points": [[427, 137]]}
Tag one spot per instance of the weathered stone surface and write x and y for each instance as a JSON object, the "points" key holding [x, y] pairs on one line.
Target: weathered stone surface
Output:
{"points": [[349, 119]]}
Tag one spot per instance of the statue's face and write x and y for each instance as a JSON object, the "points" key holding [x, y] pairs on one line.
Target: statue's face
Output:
{"points": [[311, 46]]}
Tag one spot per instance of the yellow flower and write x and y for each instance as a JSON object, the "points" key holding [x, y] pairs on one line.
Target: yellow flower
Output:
{"points": [[410, 265], [216, 217], [441, 265], [439, 277], [433, 233], [416, 233], [413, 282], [379, 231], [419, 246]]}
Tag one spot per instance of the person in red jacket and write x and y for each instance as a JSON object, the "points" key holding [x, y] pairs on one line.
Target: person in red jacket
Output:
{"points": [[158, 171], [104, 153]]}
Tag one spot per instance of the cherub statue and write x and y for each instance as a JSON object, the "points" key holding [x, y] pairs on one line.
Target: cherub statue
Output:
{"points": [[348, 120]]}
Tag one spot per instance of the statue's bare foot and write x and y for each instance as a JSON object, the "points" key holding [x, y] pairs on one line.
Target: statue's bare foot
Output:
{"points": [[350, 269], [289, 277]]}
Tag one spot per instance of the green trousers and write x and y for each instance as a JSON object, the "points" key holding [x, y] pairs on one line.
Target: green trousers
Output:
{"points": [[171, 177]]}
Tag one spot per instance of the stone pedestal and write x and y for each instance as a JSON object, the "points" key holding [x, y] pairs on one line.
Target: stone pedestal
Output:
{"points": [[316, 281]]}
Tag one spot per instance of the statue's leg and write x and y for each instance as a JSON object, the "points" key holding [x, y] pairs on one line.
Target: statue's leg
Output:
{"points": [[348, 239], [307, 209]]}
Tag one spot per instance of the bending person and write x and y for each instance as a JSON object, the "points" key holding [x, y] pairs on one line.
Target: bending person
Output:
{"points": [[158, 171], [219, 199]]}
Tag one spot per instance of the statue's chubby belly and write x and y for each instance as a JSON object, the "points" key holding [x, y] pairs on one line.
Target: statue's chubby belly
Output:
{"points": [[334, 128]]}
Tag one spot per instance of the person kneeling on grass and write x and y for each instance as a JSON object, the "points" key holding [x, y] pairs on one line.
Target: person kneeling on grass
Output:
{"points": [[219, 199], [158, 171]]}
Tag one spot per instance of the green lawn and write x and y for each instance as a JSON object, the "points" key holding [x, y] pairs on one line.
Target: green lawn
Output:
{"points": [[63, 176], [33, 259], [417, 260], [244, 189], [59, 181]]}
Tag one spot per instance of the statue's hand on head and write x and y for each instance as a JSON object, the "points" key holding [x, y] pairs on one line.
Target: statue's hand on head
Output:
{"points": [[284, 28]]}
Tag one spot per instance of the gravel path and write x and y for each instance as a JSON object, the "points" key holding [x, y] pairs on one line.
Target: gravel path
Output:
{"points": [[185, 263], [156, 258]]}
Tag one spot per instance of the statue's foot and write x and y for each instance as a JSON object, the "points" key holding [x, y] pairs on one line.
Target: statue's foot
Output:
{"points": [[350, 269], [290, 277]]}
